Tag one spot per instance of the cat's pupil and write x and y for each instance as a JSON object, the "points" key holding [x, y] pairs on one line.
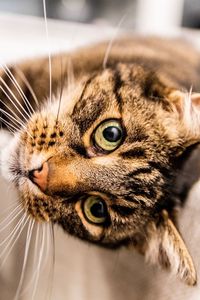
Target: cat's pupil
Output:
{"points": [[98, 210], [112, 134]]}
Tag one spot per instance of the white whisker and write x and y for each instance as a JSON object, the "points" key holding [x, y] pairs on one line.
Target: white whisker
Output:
{"points": [[15, 122], [12, 118], [12, 112], [14, 97], [49, 53], [70, 74], [12, 131], [39, 263], [12, 206], [28, 240], [11, 235], [61, 89], [7, 222], [12, 243], [26, 82], [108, 50], [18, 88], [12, 101], [46, 226], [51, 271], [14, 125], [11, 126], [47, 255], [34, 260]]}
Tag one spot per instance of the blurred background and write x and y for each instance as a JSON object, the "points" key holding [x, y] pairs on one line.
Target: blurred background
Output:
{"points": [[153, 15]]}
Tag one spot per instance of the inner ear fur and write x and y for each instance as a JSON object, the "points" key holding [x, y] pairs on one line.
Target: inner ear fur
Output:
{"points": [[183, 114], [165, 247], [187, 108]]}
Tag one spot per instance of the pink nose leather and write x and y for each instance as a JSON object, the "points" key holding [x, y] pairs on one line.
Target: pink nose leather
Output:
{"points": [[40, 176]]}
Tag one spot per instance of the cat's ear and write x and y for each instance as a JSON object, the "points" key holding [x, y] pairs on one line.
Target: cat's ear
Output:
{"points": [[166, 247], [187, 108]]}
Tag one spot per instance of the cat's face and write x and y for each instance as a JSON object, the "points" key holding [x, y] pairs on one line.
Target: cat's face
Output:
{"points": [[95, 169], [102, 167]]}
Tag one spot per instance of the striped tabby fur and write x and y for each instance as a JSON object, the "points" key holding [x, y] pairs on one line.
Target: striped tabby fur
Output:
{"points": [[144, 86]]}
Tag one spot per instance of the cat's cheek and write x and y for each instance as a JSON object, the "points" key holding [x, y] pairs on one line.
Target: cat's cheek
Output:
{"points": [[95, 230], [8, 156]]}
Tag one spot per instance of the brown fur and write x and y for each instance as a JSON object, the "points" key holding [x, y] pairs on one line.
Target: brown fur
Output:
{"points": [[139, 88]]}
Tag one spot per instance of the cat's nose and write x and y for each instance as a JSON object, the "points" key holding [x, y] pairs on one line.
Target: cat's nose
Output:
{"points": [[39, 176]]}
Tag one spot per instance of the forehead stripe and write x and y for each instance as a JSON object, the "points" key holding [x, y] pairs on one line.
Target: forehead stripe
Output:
{"points": [[83, 91], [87, 110], [117, 84], [89, 113]]}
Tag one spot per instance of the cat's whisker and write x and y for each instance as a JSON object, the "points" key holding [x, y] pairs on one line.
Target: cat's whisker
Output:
{"points": [[190, 91], [38, 267], [12, 206], [62, 81], [12, 132], [12, 118], [37, 235], [12, 242], [46, 226], [10, 126], [18, 88], [9, 218], [11, 233], [13, 113], [27, 247], [49, 234], [109, 47], [13, 103], [52, 235], [49, 53], [14, 97], [14, 121], [14, 125], [70, 74], [13, 215], [46, 262], [26, 82], [51, 254]]}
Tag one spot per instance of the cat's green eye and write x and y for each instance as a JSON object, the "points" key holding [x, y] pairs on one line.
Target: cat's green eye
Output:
{"points": [[95, 210], [108, 135]]}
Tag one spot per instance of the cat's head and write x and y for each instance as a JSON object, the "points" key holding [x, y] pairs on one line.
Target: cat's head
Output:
{"points": [[100, 162]]}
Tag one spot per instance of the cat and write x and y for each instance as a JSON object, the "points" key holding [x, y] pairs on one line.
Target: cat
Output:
{"points": [[98, 142]]}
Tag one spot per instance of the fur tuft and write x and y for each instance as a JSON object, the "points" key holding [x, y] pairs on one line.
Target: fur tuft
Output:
{"points": [[167, 248]]}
